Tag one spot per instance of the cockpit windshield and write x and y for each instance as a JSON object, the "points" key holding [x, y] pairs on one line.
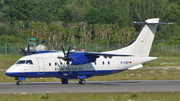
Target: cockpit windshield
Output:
{"points": [[25, 62], [21, 62], [29, 62]]}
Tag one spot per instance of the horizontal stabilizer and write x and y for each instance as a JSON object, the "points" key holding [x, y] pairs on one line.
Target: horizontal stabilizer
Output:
{"points": [[161, 23], [136, 67]]}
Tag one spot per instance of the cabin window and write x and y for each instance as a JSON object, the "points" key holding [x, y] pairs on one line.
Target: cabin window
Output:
{"points": [[103, 62], [29, 62], [55, 64], [95, 63], [49, 64], [108, 63], [21, 62]]}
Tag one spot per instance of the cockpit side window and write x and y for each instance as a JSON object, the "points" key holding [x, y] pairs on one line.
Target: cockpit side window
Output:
{"points": [[29, 62], [21, 62]]}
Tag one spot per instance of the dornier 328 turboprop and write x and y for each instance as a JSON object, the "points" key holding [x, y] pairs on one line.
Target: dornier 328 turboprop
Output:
{"points": [[82, 65]]}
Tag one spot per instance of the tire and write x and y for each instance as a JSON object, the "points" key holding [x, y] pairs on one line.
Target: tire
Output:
{"points": [[18, 83], [64, 81], [82, 82]]}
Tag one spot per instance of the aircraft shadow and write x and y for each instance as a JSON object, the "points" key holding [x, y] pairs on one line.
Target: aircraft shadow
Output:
{"points": [[112, 82], [87, 83]]}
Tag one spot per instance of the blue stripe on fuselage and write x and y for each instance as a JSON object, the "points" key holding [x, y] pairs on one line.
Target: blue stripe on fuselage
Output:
{"points": [[63, 74]]}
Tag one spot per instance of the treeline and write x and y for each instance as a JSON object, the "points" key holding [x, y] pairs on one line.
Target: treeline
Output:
{"points": [[84, 21]]}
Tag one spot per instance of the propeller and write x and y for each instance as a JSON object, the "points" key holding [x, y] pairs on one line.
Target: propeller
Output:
{"points": [[27, 52], [66, 58]]}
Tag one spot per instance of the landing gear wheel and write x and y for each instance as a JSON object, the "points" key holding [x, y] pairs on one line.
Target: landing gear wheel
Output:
{"points": [[19, 83], [82, 82], [64, 81]]}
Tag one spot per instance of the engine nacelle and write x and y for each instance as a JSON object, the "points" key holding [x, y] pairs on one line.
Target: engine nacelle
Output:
{"points": [[80, 58]]}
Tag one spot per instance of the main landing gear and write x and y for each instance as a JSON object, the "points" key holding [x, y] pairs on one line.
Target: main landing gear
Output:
{"points": [[64, 81], [82, 82], [19, 82]]}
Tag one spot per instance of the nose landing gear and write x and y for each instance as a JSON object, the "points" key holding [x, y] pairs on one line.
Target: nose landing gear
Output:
{"points": [[19, 80]]}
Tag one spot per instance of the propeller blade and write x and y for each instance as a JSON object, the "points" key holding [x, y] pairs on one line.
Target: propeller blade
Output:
{"points": [[63, 50], [63, 65], [23, 51], [33, 52], [68, 50], [66, 58], [68, 66], [72, 59], [69, 69], [28, 48], [67, 62]]}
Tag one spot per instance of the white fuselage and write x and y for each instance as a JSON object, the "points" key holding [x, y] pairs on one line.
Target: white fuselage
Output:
{"points": [[48, 65]]}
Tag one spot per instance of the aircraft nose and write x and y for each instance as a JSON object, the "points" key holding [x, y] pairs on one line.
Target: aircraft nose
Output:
{"points": [[8, 73]]}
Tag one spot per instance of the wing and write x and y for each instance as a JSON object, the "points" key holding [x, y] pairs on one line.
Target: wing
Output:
{"points": [[87, 57], [100, 54], [104, 54]]}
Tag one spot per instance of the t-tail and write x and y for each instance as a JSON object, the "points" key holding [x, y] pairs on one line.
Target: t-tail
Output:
{"points": [[142, 44]]}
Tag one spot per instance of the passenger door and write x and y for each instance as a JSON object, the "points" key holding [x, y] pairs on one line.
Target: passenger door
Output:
{"points": [[41, 66]]}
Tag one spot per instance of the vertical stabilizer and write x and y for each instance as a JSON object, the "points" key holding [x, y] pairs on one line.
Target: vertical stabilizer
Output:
{"points": [[142, 44]]}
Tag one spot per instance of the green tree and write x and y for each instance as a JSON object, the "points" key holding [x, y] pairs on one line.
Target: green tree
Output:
{"points": [[174, 40], [108, 15], [174, 13], [143, 10], [78, 8], [93, 16], [64, 14], [3, 10], [12, 35]]}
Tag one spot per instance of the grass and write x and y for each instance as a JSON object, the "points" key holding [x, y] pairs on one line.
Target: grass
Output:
{"points": [[157, 96], [164, 68], [7, 60]]}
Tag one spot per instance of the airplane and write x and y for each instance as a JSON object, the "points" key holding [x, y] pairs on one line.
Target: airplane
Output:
{"points": [[83, 65]]}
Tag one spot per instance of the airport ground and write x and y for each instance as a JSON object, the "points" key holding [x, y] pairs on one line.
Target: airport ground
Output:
{"points": [[166, 67]]}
